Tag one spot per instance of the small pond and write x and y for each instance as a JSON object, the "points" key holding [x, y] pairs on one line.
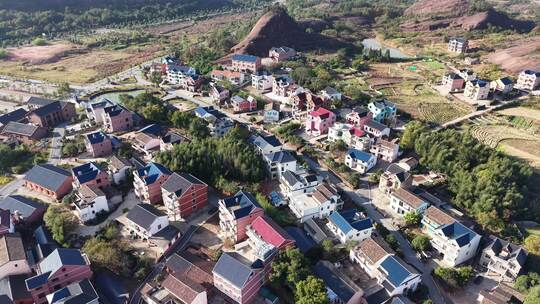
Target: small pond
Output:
{"points": [[374, 44]]}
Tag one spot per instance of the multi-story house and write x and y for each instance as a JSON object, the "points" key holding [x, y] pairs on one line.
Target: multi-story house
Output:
{"points": [[281, 86], [271, 233], [279, 162], [454, 241], [292, 183], [385, 150], [18, 115], [383, 110], [403, 201], [467, 74], [354, 137], [376, 129], [477, 90], [52, 114], [280, 54], [331, 94], [147, 182], [24, 133], [145, 221], [90, 201], [359, 116], [350, 225], [266, 144], [167, 141], [90, 174], [360, 161], [183, 194], [452, 82], [241, 105], [379, 261], [6, 222], [528, 80], [233, 77], [218, 123], [503, 85], [393, 178], [12, 256], [272, 112], [98, 144], [116, 118], [305, 102], [146, 143], [317, 204], [59, 269], [118, 168], [95, 110], [503, 258], [243, 284], [14, 290], [319, 121], [218, 93], [262, 81], [22, 209], [458, 45], [49, 180], [79, 292], [177, 74], [245, 63], [236, 213]]}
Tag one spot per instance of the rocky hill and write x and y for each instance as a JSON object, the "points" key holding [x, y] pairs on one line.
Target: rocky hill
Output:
{"points": [[439, 8]]}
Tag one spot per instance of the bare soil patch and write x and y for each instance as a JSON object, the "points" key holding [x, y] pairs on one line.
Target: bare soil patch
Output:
{"points": [[40, 54], [520, 55], [524, 112]]}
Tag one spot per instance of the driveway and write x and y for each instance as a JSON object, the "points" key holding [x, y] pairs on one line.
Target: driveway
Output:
{"points": [[56, 144], [11, 187]]}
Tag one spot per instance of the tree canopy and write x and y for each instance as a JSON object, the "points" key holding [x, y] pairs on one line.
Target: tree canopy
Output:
{"points": [[311, 291], [60, 221], [290, 267]]}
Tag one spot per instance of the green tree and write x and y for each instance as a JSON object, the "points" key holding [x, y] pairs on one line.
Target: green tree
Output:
{"points": [[198, 129], [532, 244], [392, 241], [455, 278], [311, 291], [420, 243], [290, 266], [63, 90], [60, 221], [533, 297], [155, 78], [39, 42], [107, 254], [3, 54], [524, 282], [412, 218]]}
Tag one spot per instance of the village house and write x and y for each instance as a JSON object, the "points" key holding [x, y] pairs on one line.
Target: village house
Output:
{"points": [[317, 204], [13, 290], [305, 102], [281, 86], [476, 90], [471, 60], [319, 121], [59, 269], [528, 80], [13, 259], [118, 168], [454, 241], [266, 144], [376, 129], [167, 141], [379, 261], [22, 209], [147, 182], [233, 77], [385, 150], [272, 112], [280, 54], [90, 174], [6, 222], [354, 137], [145, 221], [183, 195], [98, 144], [279, 162], [176, 73], [292, 183], [360, 161], [90, 201], [147, 143], [79, 292], [501, 294], [236, 213], [245, 63], [241, 105], [218, 93], [337, 289], [49, 180], [393, 178], [38, 102], [271, 232], [218, 123], [503, 85], [116, 118], [18, 115], [503, 258], [467, 74], [359, 116], [452, 82], [95, 111], [350, 225], [458, 45], [382, 111], [403, 201], [50, 115], [24, 133], [262, 81], [331, 94]]}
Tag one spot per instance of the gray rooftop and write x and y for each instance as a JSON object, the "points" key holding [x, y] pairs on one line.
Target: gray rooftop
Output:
{"points": [[144, 215], [47, 176]]}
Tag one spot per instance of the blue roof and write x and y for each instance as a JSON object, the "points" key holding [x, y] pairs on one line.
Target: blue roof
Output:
{"points": [[87, 172], [53, 262], [248, 58], [15, 115], [397, 273], [347, 221], [153, 129], [245, 200], [152, 172], [114, 110], [458, 232], [96, 137], [360, 155], [479, 82]]}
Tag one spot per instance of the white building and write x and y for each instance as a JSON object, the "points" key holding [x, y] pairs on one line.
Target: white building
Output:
{"points": [[354, 137], [467, 74], [350, 225], [503, 85], [292, 183], [89, 201], [317, 204], [403, 201], [330, 93], [360, 161], [279, 162], [262, 81], [218, 123], [376, 129], [280, 54], [266, 144], [503, 258], [385, 150], [118, 167], [144, 221], [455, 242], [476, 90], [528, 80], [458, 45]]}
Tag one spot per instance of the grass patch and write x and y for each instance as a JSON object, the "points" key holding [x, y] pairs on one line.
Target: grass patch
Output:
{"points": [[5, 179]]}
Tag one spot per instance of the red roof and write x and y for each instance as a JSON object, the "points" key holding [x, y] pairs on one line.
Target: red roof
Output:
{"points": [[271, 232], [357, 132], [321, 112]]}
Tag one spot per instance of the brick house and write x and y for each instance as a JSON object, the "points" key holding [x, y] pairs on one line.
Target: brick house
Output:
{"points": [[236, 213], [116, 118], [49, 180], [23, 209], [238, 278], [452, 82], [99, 144], [183, 194], [528, 80], [318, 122], [18, 115], [12, 256], [147, 182], [458, 45], [90, 174], [359, 116], [218, 93], [52, 114], [25, 133], [241, 105], [59, 269], [307, 102], [245, 63], [280, 54], [233, 77]]}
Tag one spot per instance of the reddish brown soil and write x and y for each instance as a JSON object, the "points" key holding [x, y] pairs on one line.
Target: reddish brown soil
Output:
{"points": [[522, 54], [40, 54], [440, 7]]}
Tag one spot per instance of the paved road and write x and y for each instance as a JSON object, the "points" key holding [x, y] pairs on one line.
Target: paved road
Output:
{"points": [[56, 144], [11, 187]]}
